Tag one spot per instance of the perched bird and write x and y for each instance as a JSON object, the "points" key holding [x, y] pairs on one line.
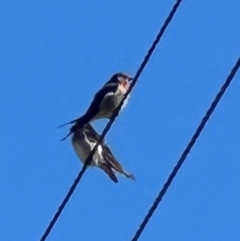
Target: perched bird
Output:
{"points": [[84, 139], [105, 101]]}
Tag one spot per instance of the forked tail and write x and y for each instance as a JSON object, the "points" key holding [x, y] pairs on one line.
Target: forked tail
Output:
{"points": [[68, 123], [72, 130], [64, 138]]}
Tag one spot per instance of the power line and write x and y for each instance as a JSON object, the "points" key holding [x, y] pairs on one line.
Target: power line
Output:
{"points": [[187, 150], [112, 119]]}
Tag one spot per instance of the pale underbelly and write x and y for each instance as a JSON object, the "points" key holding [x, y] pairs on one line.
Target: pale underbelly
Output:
{"points": [[109, 104], [83, 150]]}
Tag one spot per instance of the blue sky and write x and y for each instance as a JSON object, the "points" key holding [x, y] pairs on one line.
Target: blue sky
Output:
{"points": [[55, 55]]}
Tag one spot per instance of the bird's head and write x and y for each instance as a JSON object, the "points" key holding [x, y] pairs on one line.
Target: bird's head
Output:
{"points": [[123, 80]]}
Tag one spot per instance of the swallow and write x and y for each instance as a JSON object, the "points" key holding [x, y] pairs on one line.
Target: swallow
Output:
{"points": [[84, 139], [105, 101]]}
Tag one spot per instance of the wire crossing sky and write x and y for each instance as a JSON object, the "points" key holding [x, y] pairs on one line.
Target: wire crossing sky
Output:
{"points": [[115, 113], [56, 55], [187, 150]]}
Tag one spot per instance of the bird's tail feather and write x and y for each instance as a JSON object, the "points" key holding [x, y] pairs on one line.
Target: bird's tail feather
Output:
{"points": [[77, 123], [80, 121], [72, 130], [64, 138], [68, 123], [109, 171]]}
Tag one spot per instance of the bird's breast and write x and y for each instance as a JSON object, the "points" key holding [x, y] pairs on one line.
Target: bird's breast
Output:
{"points": [[109, 104], [83, 149]]}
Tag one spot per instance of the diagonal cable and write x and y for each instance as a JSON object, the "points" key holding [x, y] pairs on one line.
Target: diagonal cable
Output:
{"points": [[187, 150], [112, 119]]}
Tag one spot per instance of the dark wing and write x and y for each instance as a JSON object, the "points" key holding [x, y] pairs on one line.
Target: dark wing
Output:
{"points": [[110, 158], [94, 106], [107, 168], [113, 163]]}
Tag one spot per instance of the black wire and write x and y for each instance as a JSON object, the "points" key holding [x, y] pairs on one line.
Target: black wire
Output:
{"points": [[186, 151], [112, 119]]}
